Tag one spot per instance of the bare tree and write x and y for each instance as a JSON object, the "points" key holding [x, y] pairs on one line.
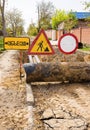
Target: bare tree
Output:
{"points": [[14, 21], [45, 11]]}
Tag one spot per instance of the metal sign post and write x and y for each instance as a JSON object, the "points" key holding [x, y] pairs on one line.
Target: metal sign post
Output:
{"points": [[20, 65]]}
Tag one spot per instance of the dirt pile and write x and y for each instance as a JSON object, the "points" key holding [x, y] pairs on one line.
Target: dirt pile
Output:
{"points": [[78, 56]]}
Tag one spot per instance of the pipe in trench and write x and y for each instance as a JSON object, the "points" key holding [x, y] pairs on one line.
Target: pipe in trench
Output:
{"points": [[51, 72]]}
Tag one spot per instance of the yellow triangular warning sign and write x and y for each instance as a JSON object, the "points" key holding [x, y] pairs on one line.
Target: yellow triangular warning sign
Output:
{"points": [[41, 45]]}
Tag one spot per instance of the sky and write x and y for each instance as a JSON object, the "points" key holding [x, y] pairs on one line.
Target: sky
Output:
{"points": [[29, 10]]}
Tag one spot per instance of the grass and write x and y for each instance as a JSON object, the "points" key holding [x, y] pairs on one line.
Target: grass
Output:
{"points": [[85, 49], [1, 44]]}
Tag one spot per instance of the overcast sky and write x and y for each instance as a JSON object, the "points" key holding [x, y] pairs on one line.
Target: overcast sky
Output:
{"points": [[29, 11]]}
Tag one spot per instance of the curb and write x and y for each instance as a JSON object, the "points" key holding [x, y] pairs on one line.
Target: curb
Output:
{"points": [[30, 97], [30, 103]]}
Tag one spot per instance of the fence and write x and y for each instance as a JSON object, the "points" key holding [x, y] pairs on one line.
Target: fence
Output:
{"points": [[83, 34]]}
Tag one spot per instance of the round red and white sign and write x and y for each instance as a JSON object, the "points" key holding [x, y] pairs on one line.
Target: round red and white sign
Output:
{"points": [[68, 43]]}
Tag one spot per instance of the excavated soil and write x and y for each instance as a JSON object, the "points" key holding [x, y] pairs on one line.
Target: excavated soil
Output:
{"points": [[57, 106], [62, 106]]}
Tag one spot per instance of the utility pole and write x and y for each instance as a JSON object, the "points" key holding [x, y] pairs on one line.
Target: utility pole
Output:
{"points": [[38, 18]]}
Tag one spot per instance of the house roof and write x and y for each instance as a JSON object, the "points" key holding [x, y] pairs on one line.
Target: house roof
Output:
{"points": [[82, 15]]}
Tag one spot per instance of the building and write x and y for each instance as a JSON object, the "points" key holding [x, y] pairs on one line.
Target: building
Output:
{"points": [[83, 18], [82, 30]]}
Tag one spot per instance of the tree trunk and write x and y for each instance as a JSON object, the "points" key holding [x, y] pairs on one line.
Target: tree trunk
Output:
{"points": [[2, 8], [51, 72]]}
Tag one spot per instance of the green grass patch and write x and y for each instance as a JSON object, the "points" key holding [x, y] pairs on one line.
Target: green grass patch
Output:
{"points": [[85, 49], [1, 44]]}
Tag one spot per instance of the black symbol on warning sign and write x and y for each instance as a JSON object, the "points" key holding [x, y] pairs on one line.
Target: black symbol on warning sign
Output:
{"points": [[46, 49], [41, 48]]}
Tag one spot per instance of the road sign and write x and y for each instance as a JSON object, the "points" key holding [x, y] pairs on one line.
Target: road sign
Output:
{"points": [[41, 45], [68, 43], [16, 43]]}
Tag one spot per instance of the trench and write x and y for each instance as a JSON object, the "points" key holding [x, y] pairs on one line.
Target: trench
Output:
{"points": [[60, 105]]}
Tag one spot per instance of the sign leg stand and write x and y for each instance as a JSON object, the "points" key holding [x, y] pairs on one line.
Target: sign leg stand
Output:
{"points": [[20, 65]]}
